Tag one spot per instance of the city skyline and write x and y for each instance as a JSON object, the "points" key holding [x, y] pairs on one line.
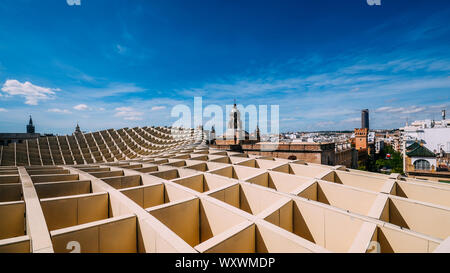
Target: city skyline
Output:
{"points": [[107, 64]]}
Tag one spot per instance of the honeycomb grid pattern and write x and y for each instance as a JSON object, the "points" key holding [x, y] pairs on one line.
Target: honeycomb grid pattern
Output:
{"points": [[145, 190]]}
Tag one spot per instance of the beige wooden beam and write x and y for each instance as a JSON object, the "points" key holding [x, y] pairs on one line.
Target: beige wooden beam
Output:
{"points": [[35, 220]]}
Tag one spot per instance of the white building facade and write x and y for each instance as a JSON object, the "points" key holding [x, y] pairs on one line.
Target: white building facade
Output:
{"points": [[435, 135]]}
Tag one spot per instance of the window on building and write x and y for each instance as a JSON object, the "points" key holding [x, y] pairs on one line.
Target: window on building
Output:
{"points": [[422, 164]]}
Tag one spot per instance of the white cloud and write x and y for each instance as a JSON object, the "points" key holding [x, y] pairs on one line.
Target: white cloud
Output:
{"points": [[128, 113], [413, 110], [440, 106], [32, 93], [57, 110], [125, 109], [390, 109], [132, 118], [3, 110], [382, 109], [288, 119], [402, 110], [81, 107], [156, 108]]}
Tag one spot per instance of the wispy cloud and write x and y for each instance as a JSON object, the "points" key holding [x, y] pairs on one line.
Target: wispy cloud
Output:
{"points": [[156, 108], [60, 111], [110, 90], [3, 110], [75, 73], [128, 113], [402, 110]]}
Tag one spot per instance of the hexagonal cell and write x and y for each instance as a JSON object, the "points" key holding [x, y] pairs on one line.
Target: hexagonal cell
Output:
{"points": [[206, 166], [219, 159], [347, 198], [160, 161], [237, 154], [424, 182], [119, 164], [175, 163], [133, 166], [107, 174], [199, 157], [431, 194], [390, 240], [173, 173], [147, 196], [259, 238], [65, 188], [62, 212], [10, 192], [279, 181], [9, 179], [427, 219], [114, 235], [260, 163], [356, 180], [203, 182], [41, 171], [248, 198], [237, 159], [180, 156], [327, 228], [93, 169], [195, 220], [12, 219], [8, 170], [218, 152], [126, 181], [238, 172], [54, 178], [8, 155], [152, 168], [301, 170]]}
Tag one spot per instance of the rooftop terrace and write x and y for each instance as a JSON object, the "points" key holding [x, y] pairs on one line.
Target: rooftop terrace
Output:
{"points": [[182, 196]]}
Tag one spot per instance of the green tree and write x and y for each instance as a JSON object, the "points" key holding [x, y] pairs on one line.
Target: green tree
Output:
{"points": [[395, 162]]}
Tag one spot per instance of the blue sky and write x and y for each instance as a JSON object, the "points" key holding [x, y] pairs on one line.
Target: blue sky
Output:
{"points": [[114, 64]]}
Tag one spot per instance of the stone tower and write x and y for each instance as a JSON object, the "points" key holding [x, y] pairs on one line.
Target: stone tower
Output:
{"points": [[77, 129], [30, 126]]}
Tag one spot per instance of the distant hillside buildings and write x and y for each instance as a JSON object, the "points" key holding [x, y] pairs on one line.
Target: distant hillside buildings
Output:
{"points": [[320, 150], [11, 138], [426, 148], [7, 138]]}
